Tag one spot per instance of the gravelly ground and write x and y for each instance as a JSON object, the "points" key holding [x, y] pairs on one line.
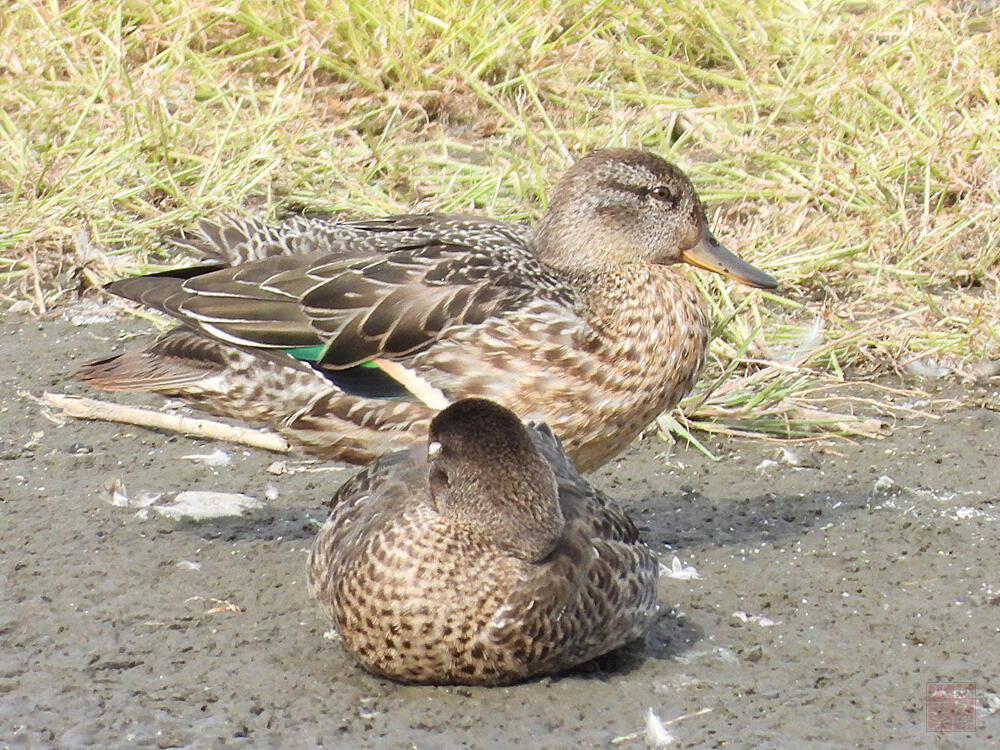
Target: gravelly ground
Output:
{"points": [[856, 593]]}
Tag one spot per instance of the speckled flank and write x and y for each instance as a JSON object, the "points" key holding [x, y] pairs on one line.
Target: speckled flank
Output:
{"points": [[486, 564], [586, 322]]}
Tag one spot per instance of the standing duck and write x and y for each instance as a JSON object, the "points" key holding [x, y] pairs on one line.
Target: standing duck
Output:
{"points": [[484, 559], [348, 336]]}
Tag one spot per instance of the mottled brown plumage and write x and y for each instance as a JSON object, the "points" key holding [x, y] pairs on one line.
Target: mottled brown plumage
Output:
{"points": [[586, 322], [484, 559]]}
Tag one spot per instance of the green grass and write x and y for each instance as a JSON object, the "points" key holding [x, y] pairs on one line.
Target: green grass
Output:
{"points": [[852, 149]]}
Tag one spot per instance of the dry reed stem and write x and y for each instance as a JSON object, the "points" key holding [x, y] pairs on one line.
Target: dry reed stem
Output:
{"points": [[88, 408]]}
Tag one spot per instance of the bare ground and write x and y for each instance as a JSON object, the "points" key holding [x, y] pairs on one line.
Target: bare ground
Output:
{"points": [[829, 597]]}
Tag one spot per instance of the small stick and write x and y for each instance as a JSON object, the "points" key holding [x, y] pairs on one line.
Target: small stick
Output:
{"points": [[88, 408]]}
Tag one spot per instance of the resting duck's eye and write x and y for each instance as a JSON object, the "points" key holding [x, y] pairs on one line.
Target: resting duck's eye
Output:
{"points": [[665, 194]]}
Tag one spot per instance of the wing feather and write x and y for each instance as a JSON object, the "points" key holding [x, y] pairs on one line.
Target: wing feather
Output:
{"points": [[384, 288]]}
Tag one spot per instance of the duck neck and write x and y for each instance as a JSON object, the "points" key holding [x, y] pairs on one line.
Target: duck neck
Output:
{"points": [[649, 326], [623, 302]]}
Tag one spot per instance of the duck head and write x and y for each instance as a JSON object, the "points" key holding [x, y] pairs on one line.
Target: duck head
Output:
{"points": [[623, 206], [485, 472]]}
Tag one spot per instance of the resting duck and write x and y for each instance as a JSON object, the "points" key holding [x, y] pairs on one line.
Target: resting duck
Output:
{"points": [[348, 336], [484, 559]]}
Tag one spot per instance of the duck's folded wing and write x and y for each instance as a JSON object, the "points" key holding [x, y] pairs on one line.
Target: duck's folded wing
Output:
{"points": [[408, 468], [384, 490], [600, 516], [592, 596], [235, 240], [352, 311], [547, 592]]}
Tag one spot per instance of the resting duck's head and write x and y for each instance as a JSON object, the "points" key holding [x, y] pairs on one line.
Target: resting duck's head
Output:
{"points": [[485, 472]]}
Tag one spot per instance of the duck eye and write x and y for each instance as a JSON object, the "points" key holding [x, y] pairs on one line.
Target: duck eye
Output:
{"points": [[665, 194]]}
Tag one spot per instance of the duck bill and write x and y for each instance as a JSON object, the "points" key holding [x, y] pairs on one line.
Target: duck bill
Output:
{"points": [[712, 255]]}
